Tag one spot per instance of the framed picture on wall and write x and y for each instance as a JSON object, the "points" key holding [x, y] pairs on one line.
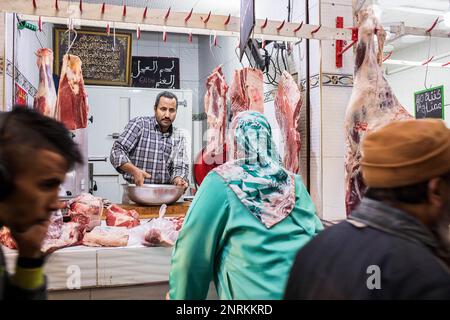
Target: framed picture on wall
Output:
{"points": [[106, 59]]}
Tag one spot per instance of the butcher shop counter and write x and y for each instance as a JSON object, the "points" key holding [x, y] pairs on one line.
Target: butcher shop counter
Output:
{"points": [[176, 209], [105, 273]]}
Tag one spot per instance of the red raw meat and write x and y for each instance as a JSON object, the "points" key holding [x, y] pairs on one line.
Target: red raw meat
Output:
{"points": [[45, 99], [72, 107], [372, 104], [55, 227], [247, 91], [288, 102], [6, 239], [86, 210], [54, 231], [71, 235], [118, 217], [216, 109]]}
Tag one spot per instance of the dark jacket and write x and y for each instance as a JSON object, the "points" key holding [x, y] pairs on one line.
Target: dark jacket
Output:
{"points": [[8, 291], [345, 260]]}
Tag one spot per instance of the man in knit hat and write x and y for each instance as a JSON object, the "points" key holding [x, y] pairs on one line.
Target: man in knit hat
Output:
{"points": [[396, 244]]}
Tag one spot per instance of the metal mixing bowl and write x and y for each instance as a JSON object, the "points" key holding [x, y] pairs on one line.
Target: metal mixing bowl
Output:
{"points": [[154, 194]]}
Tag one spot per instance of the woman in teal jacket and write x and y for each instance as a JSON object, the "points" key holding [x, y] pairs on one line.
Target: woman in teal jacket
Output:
{"points": [[248, 220]]}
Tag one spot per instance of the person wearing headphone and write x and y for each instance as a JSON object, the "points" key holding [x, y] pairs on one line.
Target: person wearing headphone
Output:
{"points": [[36, 152]]}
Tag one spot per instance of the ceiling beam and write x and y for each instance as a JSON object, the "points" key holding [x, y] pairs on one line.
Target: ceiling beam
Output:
{"points": [[175, 22]]}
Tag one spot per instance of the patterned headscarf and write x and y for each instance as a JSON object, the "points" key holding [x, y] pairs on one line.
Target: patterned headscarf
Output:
{"points": [[254, 171]]}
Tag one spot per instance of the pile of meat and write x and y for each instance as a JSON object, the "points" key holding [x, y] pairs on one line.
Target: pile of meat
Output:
{"points": [[86, 210], [118, 217], [372, 104], [72, 107], [59, 234], [6, 239], [288, 102]]}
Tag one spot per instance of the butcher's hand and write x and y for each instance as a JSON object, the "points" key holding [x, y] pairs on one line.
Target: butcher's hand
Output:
{"points": [[29, 242], [140, 176], [180, 182]]}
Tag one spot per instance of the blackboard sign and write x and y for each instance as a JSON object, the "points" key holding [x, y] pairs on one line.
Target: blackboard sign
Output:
{"points": [[104, 60], [429, 103], [156, 72]]}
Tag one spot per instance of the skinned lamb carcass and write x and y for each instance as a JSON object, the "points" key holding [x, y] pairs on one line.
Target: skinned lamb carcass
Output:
{"points": [[45, 99], [288, 102], [247, 92], [372, 103]]}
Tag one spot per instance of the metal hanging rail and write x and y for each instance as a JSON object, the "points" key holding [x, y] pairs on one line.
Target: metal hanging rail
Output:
{"points": [[159, 20]]}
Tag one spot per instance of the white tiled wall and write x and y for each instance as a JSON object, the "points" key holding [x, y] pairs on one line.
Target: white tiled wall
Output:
{"points": [[26, 45], [328, 106]]}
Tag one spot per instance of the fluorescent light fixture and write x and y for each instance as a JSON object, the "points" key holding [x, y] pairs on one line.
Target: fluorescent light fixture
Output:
{"points": [[431, 12], [447, 16]]}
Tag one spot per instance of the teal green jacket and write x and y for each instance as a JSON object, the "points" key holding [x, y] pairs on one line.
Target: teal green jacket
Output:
{"points": [[222, 241]]}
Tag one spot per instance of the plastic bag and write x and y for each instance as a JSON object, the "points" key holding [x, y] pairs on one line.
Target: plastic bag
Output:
{"points": [[162, 232]]}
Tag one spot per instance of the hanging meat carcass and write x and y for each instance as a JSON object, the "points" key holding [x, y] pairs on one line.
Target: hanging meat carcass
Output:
{"points": [[372, 104], [45, 99], [246, 92], [72, 107], [216, 110], [288, 102]]}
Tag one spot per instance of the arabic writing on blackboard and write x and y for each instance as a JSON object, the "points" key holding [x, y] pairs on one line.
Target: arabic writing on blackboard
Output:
{"points": [[156, 72], [430, 103]]}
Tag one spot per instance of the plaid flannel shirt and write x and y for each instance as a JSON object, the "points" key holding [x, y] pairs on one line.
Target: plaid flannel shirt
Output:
{"points": [[163, 155]]}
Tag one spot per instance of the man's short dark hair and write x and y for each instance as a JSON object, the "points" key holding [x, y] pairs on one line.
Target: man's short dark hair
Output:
{"points": [[414, 194], [168, 95], [24, 129]]}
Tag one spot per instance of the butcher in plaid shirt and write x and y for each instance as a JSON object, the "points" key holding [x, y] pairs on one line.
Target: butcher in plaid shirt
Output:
{"points": [[151, 150]]}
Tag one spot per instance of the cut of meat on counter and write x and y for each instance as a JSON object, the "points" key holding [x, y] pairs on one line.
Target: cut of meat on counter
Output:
{"points": [[56, 225], [162, 232], [86, 210], [288, 102], [247, 91], [6, 238], [54, 232], [216, 110], [106, 237], [45, 99], [372, 103], [71, 235], [72, 107], [118, 217]]}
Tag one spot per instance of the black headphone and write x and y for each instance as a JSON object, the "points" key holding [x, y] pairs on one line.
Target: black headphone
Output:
{"points": [[6, 183]]}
